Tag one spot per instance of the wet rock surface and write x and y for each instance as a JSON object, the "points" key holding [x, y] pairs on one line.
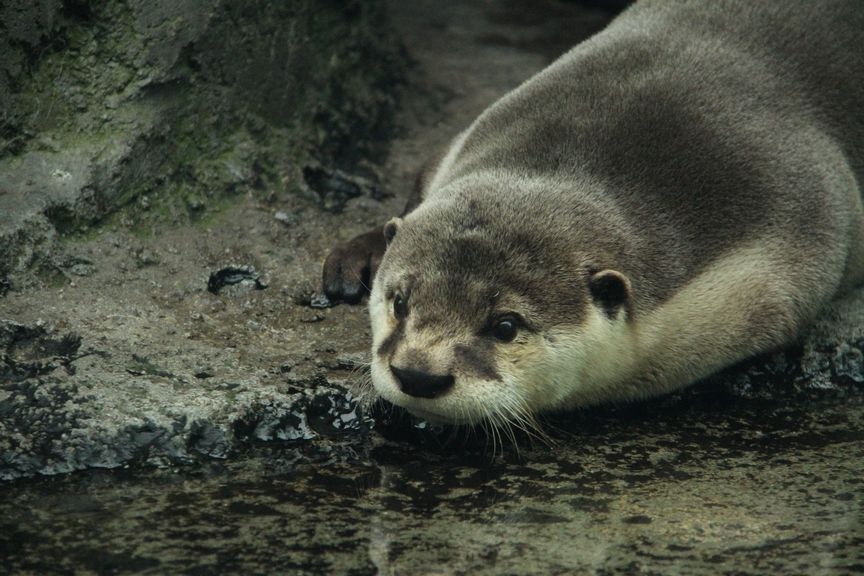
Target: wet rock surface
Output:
{"points": [[213, 431], [703, 484]]}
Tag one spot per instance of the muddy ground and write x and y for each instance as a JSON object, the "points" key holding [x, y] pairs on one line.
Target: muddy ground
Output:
{"points": [[233, 446]]}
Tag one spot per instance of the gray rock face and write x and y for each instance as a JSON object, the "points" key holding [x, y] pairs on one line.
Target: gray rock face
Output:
{"points": [[69, 402], [25, 29], [151, 113], [171, 106]]}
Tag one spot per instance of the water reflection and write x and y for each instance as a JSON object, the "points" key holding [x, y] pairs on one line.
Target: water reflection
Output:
{"points": [[704, 482]]}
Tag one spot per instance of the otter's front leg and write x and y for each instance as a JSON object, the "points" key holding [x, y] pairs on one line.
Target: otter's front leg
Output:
{"points": [[351, 266]]}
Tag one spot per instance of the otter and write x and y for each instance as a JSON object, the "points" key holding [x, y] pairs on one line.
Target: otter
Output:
{"points": [[675, 194]]}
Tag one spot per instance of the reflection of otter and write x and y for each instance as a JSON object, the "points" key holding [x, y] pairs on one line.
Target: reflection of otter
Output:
{"points": [[673, 195]]}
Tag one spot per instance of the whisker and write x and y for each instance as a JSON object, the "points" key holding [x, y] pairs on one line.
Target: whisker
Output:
{"points": [[536, 432], [360, 385], [489, 428], [531, 427], [497, 433], [524, 420], [511, 434]]}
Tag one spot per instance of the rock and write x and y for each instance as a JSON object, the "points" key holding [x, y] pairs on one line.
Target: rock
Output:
{"points": [[176, 104], [334, 187], [238, 278], [320, 300], [285, 218], [30, 351], [62, 409]]}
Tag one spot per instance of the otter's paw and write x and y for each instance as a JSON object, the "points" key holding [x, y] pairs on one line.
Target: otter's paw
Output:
{"points": [[351, 266]]}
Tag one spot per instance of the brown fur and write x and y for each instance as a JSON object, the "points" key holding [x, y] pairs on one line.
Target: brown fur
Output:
{"points": [[673, 195]]}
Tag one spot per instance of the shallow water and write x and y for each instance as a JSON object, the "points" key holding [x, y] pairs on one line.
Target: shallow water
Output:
{"points": [[706, 482]]}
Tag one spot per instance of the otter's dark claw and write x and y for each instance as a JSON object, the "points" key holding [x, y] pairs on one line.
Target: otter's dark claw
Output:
{"points": [[351, 266]]}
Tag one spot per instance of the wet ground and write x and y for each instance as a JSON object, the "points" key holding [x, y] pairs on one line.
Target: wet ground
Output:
{"points": [[705, 484], [758, 471]]}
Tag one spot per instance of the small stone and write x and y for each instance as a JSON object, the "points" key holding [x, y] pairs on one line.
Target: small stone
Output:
{"points": [[236, 277], [320, 301], [285, 217], [334, 187]]}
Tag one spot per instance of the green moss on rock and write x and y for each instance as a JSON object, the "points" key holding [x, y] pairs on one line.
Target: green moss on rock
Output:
{"points": [[180, 105]]}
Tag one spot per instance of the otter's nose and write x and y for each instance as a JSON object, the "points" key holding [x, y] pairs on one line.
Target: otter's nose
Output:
{"points": [[422, 384]]}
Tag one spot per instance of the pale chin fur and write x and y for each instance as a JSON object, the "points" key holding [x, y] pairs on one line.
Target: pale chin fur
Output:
{"points": [[469, 402]]}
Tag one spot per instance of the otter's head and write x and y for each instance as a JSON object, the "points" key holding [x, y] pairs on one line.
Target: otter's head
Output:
{"points": [[482, 313]]}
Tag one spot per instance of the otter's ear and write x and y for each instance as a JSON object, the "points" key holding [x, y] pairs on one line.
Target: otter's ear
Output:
{"points": [[391, 228], [611, 291]]}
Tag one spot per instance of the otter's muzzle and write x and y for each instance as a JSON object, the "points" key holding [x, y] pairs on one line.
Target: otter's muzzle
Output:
{"points": [[422, 384]]}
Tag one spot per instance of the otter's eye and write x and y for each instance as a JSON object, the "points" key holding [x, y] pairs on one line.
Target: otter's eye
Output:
{"points": [[505, 329], [400, 307]]}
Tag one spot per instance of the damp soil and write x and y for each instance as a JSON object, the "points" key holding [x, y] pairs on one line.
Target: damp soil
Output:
{"points": [[758, 470]]}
